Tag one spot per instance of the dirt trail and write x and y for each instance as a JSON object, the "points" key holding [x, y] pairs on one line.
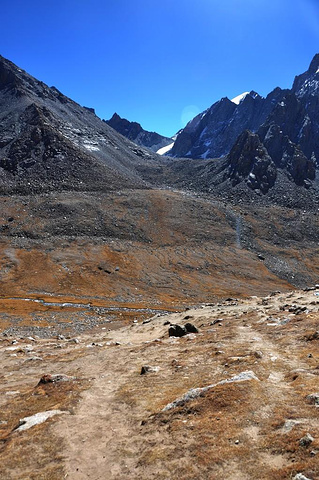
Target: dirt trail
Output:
{"points": [[105, 438], [237, 431]]}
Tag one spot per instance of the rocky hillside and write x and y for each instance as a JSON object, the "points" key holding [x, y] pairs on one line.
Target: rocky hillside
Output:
{"points": [[49, 142], [134, 132]]}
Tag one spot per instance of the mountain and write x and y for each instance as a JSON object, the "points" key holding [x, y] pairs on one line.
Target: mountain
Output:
{"points": [[134, 132], [295, 112], [212, 134], [48, 141]]}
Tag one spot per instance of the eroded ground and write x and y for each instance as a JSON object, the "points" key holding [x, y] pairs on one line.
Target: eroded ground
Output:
{"points": [[114, 426]]}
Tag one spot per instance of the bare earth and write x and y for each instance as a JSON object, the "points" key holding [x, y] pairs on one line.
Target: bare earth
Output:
{"points": [[113, 425]]}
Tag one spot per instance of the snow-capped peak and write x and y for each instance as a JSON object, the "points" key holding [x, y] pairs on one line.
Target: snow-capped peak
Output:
{"points": [[240, 98]]}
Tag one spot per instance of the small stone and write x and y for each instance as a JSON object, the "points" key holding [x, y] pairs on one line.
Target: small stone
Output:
{"points": [[149, 369], [312, 336], [306, 440], [313, 398], [48, 378], [217, 320], [236, 442], [258, 354]]}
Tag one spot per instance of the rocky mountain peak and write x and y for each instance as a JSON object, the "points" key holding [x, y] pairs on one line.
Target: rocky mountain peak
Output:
{"points": [[115, 118], [135, 132], [7, 74], [314, 65], [242, 97], [307, 83], [250, 161]]}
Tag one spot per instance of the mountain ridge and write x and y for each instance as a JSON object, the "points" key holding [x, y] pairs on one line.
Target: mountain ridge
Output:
{"points": [[48, 141], [134, 132], [213, 132]]}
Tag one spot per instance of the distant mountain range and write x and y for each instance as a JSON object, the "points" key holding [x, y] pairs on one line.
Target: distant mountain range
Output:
{"points": [[250, 145], [282, 117]]}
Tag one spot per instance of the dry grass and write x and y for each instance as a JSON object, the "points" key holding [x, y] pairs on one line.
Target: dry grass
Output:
{"points": [[35, 453]]}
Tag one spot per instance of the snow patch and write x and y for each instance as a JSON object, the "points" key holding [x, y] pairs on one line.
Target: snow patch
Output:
{"points": [[240, 98], [164, 150], [92, 148]]}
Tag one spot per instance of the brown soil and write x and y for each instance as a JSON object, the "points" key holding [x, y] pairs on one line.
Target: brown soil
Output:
{"points": [[116, 428], [79, 273]]}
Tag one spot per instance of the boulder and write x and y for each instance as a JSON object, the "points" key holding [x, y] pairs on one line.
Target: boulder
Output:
{"points": [[190, 328], [177, 331]]}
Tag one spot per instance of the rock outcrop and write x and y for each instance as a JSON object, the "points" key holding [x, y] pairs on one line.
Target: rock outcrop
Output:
{"points": [[250, 160]]}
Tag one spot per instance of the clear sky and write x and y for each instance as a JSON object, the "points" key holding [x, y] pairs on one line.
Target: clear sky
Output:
{"points": [[160, 62]]}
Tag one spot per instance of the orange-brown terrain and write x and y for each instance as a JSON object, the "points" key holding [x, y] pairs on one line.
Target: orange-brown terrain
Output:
{"points": [[109, 421], [89, 284]]}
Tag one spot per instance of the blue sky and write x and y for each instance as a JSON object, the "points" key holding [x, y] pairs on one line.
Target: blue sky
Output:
{"points": [[159, 62]]}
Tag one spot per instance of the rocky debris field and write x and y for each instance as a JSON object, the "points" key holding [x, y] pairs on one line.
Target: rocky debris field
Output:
{"points": [[235, 398]]}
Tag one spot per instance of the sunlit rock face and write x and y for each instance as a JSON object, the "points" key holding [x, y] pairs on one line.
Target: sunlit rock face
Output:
{"points": [[212, 133]]}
